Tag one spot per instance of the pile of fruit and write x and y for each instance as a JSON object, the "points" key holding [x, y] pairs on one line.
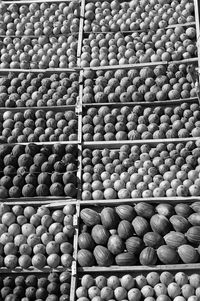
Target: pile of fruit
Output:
{"points": [[52, 287], [37, 19], [38, 90], [148, 84], [154, 286], [38, 125], [172, 44], [39, 52], [36, 236], [141, 122], [141, 171], [136, 15], [37, 170], [143, 233]]}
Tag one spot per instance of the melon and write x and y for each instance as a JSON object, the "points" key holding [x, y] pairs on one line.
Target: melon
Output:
{"points": [[28, 190], [85, 241], [126, 259], [148, 256], [194, 219], [193, 235], [165, 209], [125, 229], [140, 225], [145, 210], [103, 256], [188, 254], [127, 281], [179, 223], [181, 278], [90, 217], [115, 244], [167, 255], [42, 190], [109, 218], [25, 160], [153, 239], [183, 209], [102, 281], [160, 224], [175, 239], [195, 206], [194, 280], [173, 290], [125, 212], [134, 245], [56, 189], [85, 258], [166, 278]]}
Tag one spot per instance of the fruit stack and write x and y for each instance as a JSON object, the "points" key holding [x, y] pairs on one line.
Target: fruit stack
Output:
{"points": [[140, 152], [39, 136]]}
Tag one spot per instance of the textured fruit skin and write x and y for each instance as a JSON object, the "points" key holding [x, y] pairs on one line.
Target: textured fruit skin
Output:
{"points": [[195, 206], [125, 229], [188, 254], [167, 255], [140, 225], [100, 235], [193, 235], [194, 219], [153, 239], [144, 209], [179, 223], [125, 259], [115, 244], [148, 256], [175, 239], [109, 218], [85, 258], [134, 245], [85, 241], [103, 256], [125, 212], [90, 217], [160, 224]]}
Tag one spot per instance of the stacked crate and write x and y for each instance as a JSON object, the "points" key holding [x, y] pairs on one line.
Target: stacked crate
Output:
{"points": [[99, 135], [139, 152], [40, 137]]}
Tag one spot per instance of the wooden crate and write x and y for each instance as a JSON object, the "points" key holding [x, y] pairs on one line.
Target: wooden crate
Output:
{"points": [[52, 206]]}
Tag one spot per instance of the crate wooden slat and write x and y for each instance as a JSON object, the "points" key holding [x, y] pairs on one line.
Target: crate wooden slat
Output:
{"points": [[140, 65], [113, 269], [118, 144]]}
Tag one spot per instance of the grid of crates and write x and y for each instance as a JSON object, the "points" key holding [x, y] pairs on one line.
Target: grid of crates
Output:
{"points": [[99, 133]]}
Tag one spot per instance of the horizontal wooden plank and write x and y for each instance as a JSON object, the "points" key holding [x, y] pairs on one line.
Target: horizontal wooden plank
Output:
{"points": [[141, 65], [172, 267], [32, 270], [53, 108], [117, 144], [146, 30], [35, 1], [50, 202], [143, 103], [154, 200]]}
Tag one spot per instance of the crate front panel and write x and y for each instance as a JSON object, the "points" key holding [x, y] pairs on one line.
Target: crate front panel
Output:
{"points": [[39, 52], [41, 89], [140, 122], [109, 49], [36, 285], [137, 234], [139, 84], [140, 170], [33, 170], [133, 16], [37, 19], [37, 238], [128, 284]]}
